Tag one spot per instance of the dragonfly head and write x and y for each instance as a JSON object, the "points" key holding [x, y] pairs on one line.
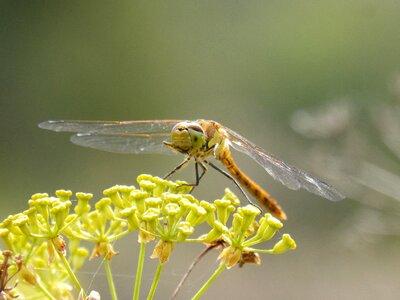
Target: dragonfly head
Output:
{"points": [[187, 137]]}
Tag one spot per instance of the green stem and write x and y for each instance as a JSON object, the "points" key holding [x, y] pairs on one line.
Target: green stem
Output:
{"points": [[69, 270], [155, 282], [45, 291], [139, 271], [209, 282], [31, 250], [269, 251], [110, 280]]}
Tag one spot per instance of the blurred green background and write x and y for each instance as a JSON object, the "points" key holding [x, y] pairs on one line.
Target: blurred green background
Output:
{"points": [[314, 82]]}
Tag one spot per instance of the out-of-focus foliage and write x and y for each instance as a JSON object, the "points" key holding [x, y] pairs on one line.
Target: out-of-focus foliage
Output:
{"points": [[363, 155]]}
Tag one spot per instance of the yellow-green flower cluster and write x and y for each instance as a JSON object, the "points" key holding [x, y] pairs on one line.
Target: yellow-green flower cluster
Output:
{"points": [[157, 209], [36, 234], [245, 231]]}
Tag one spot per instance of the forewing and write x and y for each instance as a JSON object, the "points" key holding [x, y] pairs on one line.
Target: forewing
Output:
{"points": [[146, 136], [81, 126], [124, 143], [288, 175]]}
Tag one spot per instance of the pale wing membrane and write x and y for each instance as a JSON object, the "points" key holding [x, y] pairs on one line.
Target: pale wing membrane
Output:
{"points": [[144, 126], [144, 136], [124, 143], [290, 176]]}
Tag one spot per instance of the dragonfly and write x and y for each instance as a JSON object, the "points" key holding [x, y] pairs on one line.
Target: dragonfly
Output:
{"points": [[198, 140]]}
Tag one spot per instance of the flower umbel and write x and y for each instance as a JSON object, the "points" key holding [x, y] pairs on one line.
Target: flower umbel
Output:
{"points": [[50, 232]]}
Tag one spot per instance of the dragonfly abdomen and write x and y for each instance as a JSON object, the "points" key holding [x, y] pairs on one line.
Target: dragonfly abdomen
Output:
{"points": [[259, 193]]}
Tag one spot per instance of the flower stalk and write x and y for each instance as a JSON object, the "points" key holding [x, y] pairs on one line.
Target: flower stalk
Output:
{"points": [[139, 271]]}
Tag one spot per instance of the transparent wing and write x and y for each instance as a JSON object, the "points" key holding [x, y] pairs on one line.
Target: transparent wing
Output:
{"points": [[290, 176], [124, 142], [143, 126], [145, 136]]}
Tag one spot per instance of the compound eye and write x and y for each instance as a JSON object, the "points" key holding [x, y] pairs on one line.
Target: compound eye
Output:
{"points": [[180, 127], [195, 127]]}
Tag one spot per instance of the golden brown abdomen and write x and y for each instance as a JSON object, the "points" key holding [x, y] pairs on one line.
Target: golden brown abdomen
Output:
{"points": [[262, 196]]}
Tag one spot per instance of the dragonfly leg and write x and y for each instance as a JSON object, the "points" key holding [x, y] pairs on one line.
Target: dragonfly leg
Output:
{"points": [[180, 166], [204, 170], [198, 177], [234, 180]]}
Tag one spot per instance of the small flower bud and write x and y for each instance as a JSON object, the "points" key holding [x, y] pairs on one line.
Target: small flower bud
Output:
{"points": [[196, 215], [131, 216], [147, 186], [172, 209], [173, 212], [170, 198], [39, 196], [214, 234], [154, 202], [60, 212], [83, 206], [179, 187], [231, 197], [33, 221], [224, 209], [149, 224], [104, 207], [63, 195], [184, 230], [210, 209], [115, 197], [237, 223], [249, 213], [273, 225], [161, 185], [150, 217], [137, 197], [286, 243], [125, 191]]}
